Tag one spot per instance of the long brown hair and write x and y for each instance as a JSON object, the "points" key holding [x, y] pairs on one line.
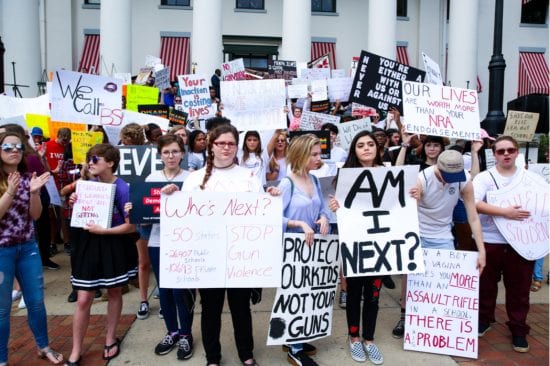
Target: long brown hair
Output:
{"points": [[246, 150], [21, 167], [212, 136]]}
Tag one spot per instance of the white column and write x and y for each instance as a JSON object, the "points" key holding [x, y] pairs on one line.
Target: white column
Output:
{"points": [[462, 54], [206, 40], [115, 46], [381, 28], [21, 38], [296, 45]]}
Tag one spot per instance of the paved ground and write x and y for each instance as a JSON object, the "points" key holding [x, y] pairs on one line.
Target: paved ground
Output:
{"points": [[140, 336]]}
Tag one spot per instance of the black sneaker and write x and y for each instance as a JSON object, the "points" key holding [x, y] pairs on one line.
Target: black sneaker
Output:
{"points": [[67, 248], [73, 296], [388, 282], [51, 265], [399, 329], [185, 347], [300, 359], [307, 348], [166, 344], [143, 312], [520, 344], [483, 329]]}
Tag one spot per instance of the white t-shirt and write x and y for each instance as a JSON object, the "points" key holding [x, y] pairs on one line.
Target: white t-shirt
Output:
{"points": [[483, 183], [435, 208], [256, 164], [234, 179]]}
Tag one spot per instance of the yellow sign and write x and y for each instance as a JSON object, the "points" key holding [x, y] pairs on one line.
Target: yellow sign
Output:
{"points": [[54, 126], [82, 141], [139, 94], [38, 120]]}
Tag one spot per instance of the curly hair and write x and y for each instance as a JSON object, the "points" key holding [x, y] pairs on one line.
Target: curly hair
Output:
{"points": [[134, 132]]}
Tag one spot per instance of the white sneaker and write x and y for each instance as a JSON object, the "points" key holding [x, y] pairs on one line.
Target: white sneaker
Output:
{"points": [[373, 353], [357, 352], [15, 295], [22, 303]]}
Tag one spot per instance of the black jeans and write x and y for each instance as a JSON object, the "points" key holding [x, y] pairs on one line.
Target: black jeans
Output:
{"points": [[369, 288], [212, 300]]}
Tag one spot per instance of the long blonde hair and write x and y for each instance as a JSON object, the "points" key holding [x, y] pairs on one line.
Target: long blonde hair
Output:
{"points": [[299, 152]]}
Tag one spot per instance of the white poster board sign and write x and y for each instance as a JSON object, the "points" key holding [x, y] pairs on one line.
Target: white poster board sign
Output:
{"points": [[255, 104], [233, 70], [86, 98], [94, 204], [443, 305], [299, 303], [162, 78], [297, 90], [55, 199], [195, 96], [338, 73], [12, 107], [378, 221], [317, 73], [541, 169], [441, 110], [218, 239], [348, 130], [529, 237], [433, 75], [339, 89], [313, 121], [318, 90], [126, 77]]}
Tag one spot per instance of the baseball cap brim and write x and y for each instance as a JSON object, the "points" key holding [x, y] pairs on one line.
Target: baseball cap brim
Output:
{"points": [[453, 177]]}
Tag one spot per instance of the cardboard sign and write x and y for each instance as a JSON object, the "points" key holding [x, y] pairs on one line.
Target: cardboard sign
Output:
{"points": [[140, 94], [521, 125], [160, 110], [530, 237], [433, 75], [339, 89], [94, 204], [348, 130], [255, 104], [282, 70], [378, 221], [233, 70], [443, 305], [195, 96], [324, 137], [314, 121], [86, 98], [377, 82], [143, 75], [441, 111], [219, 239], [81, 142], [302, 310]]}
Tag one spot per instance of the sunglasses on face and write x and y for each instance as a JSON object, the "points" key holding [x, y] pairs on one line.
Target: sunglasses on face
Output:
{"points": [[9, 147], [94, 159], [510, 150]]}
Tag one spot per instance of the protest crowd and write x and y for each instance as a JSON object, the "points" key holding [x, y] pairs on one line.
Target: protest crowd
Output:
{"points": [[336, 181]]}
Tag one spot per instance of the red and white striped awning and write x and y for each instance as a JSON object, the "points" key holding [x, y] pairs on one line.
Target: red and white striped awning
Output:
{"points": [[402, 56], [89, 61], [174, 53], [533, 74], [319, 49]]}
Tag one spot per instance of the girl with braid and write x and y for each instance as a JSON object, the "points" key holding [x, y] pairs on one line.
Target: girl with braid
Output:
{"points": [[221, 174]]}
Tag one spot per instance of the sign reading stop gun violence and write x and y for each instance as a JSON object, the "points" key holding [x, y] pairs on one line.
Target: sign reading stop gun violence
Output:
{"points": [[302, 310], [443, 305], [441, 111], [216, 239], [377, 82], [378, 221]]}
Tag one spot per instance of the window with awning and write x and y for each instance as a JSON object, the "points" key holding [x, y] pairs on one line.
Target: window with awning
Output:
{"points": [[533, 74], [89, 60], [174, 53]]}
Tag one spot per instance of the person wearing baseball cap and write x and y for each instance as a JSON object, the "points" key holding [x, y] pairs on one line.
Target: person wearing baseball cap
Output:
{"points": [[37, 136]]}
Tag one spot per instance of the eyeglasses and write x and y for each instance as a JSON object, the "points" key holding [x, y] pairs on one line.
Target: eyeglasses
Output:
{"points": [[9, 147], [281, 140], [177, 100], [170, 153], [225, 144], [510, 150], [94, 159]]}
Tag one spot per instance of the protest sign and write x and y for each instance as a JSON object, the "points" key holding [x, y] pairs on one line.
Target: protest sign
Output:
{"points": [[377, 82], [16, 120], [227, 239], [378, 221], [338, 73], [433, 75], [159, 110], [541, 169], [339, 89], [195, 96], [320, 107], [353, 66], [143, 119], [81, 142], [359, 110], [297, 90], [54, 126], [13, 107], [441, 111], [86, 98], [281, 69], [145, 198], [529, 237], [233, 70], [315, 74], [140, 94], [177, 117], [255, 104], [55, 199], [137, 162], [302, 310], [443, 305], [126, 77], [38, 120], [151, 61], [521, 125], [318, 90], [323, 136], [143, 75], [348, 130], [314, 121], [94, 204], [162, 78]]}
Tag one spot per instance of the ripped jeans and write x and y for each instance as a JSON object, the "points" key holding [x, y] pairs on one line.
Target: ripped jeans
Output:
{"points": [[23, 262]]}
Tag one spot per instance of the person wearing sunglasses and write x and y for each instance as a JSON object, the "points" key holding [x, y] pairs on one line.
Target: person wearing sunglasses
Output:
{"points": [[102, 257], [19, 205], [502, 259]]}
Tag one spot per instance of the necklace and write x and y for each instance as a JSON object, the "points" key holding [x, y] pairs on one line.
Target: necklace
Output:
{"points": [[169, 179], [224, 167]]}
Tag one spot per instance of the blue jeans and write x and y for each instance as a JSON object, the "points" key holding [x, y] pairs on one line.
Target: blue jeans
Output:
{"points": [[432, 243], [537, 271], [171, 301], [23, 262]]}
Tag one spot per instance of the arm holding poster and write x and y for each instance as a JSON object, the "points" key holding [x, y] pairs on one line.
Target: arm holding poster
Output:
{"points": [[467, 194]]}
